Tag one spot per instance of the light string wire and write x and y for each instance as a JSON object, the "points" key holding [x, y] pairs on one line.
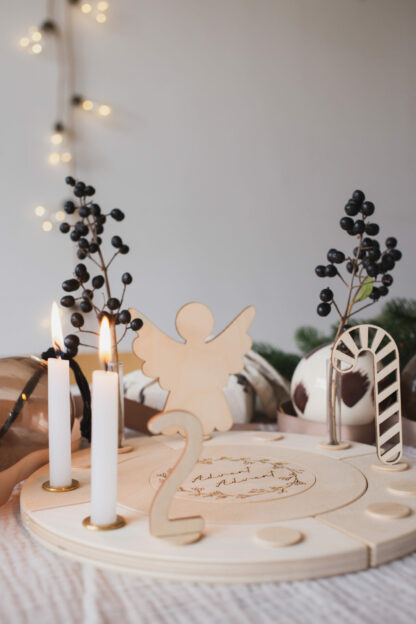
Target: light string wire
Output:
{"points": [[65, 131]]}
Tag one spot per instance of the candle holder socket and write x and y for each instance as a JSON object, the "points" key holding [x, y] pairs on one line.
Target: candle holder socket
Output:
{"points": [[118, 523], [66, 488]]}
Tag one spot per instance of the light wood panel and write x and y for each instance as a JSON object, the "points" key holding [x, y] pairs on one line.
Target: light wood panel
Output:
{"points": [[195, 371], [335, 541], [387, 398]]}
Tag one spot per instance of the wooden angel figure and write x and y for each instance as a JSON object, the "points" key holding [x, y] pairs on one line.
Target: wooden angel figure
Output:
{"points": [[195, 371]]}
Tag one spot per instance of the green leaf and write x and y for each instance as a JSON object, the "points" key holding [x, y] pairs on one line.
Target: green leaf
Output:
{"points": [[365, 290]]}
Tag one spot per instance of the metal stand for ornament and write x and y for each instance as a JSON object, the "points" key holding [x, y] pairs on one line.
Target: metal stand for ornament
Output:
{"points": [[122, 446], [333, 410]]}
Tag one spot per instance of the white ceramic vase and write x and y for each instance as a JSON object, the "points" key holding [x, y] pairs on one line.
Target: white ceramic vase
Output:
{"points": [[309, 389]]}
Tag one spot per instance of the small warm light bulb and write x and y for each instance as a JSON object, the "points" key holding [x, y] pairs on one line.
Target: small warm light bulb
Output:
{"points": [[56, 138], [102, 6], [36, 48], [87, 105], [56, 328], [36, 36], [24, 42], [39, 211], [104, 110], [47, 226], [101, 18], [60, 215], [66, 157], [104, 342], [54, 158], [86, 8]]}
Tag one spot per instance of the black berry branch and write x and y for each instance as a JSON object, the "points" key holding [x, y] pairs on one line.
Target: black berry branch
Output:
{"points": [[86, 233], [368, 266], [369, 270]]}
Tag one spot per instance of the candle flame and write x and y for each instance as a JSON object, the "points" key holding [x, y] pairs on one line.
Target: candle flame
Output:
{"points": [[104, 344], [56, 327]]}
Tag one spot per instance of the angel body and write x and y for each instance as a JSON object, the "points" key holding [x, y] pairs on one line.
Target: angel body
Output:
{"points": [[195, 371]]}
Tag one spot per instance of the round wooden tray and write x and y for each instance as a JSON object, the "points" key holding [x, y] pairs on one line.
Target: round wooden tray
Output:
{"points": [[276, 509]]}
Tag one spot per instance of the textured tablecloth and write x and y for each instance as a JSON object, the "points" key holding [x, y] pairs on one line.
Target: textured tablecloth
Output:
{"points": [[40, 587]]}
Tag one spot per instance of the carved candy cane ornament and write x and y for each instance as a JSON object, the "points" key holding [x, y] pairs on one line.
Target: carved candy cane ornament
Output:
{"points": [[388, 412]]}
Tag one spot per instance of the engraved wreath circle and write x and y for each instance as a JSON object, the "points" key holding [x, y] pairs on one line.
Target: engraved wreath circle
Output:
{"points": [[240, 479]]}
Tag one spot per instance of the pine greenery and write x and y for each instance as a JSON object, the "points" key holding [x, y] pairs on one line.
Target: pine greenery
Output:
{"points": [[397, 317], [284, 363]]}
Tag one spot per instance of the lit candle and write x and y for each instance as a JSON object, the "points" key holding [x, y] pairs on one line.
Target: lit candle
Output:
{"points": [[59, 414], [104, 436]]}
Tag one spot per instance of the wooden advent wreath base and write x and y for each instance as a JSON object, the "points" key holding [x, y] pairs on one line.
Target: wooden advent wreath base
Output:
{"points": [[275, 510]]}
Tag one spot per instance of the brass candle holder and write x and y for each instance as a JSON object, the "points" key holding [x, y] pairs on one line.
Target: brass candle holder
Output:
{"points": [[65, 488], [118, 523]]}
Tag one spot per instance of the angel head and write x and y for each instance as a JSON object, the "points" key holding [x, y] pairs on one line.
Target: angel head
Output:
{"points": [[194, 322]]}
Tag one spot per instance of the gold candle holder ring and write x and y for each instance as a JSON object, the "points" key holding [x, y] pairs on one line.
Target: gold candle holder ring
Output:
{"points": [[65, 488], [118, 523]]}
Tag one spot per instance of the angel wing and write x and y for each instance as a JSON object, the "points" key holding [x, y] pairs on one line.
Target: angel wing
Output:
{"points": [[159, 352], [234, 342]]}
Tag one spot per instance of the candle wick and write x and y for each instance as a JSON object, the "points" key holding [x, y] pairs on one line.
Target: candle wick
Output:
{"points": [[57, 350]]}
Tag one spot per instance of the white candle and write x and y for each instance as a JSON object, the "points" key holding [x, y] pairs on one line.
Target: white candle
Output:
{"points": [[59, 412], [104, 436]]}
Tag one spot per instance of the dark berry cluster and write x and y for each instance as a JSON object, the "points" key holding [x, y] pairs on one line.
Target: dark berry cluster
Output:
{"points": [[369, 265], [86, 232]]}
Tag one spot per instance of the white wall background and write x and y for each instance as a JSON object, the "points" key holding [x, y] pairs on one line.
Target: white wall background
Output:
{"points": [[240, 128]]}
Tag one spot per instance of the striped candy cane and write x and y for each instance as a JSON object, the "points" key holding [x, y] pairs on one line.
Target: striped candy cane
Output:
{"points": [[388, 416]]}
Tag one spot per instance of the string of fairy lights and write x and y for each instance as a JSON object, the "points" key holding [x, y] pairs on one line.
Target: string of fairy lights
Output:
{"points": [[56, 37]]}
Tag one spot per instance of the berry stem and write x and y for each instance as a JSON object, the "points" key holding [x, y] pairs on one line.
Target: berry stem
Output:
{"points": [[88, 331], [103, 268], [342, 279], [122, 296], [333, 384], [123, 334], [364, 307], [337, 308], [350, 303], [89, 256], [116, 254]]}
